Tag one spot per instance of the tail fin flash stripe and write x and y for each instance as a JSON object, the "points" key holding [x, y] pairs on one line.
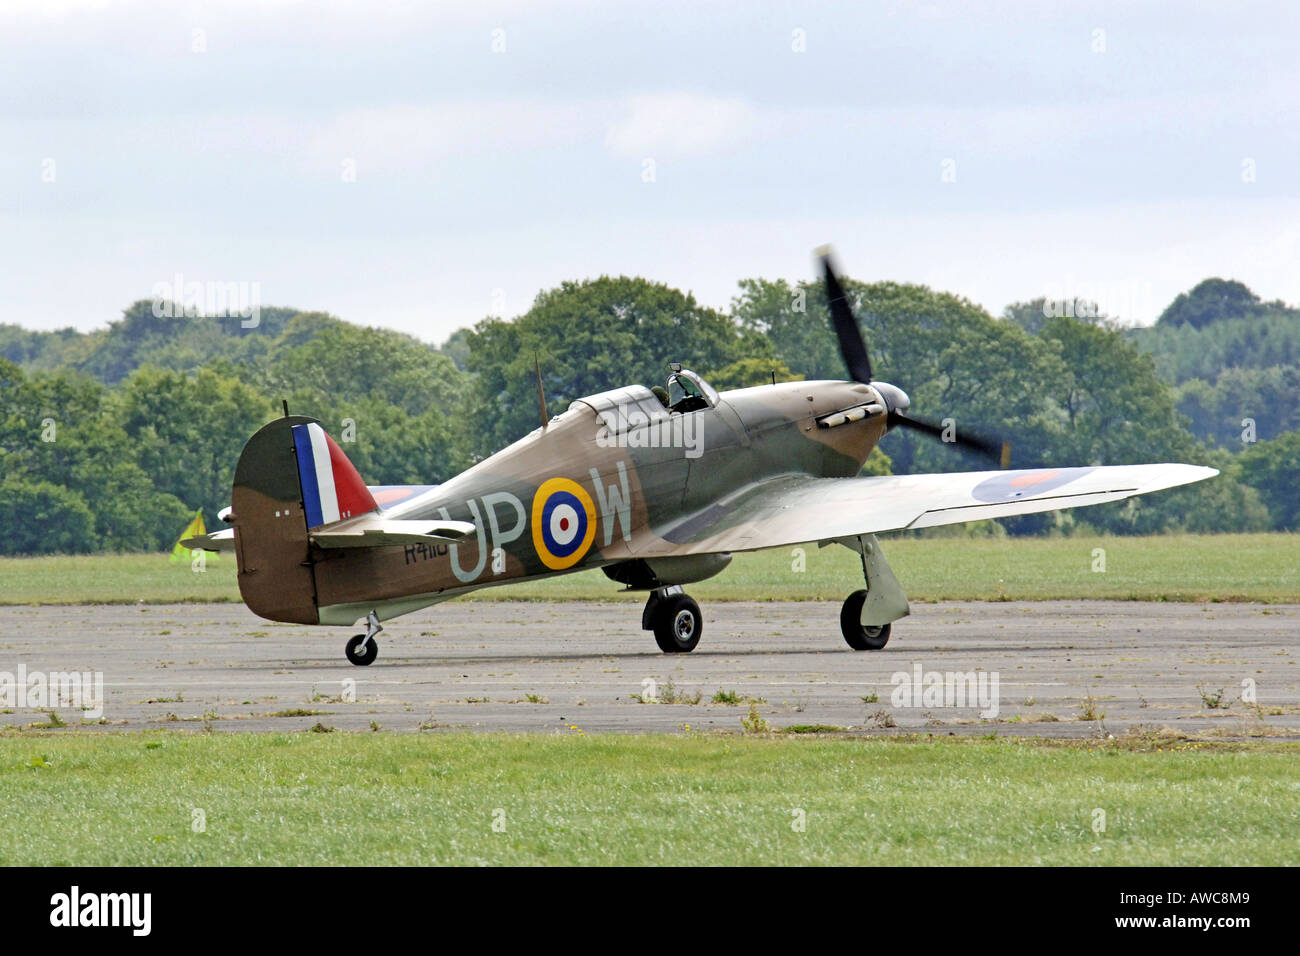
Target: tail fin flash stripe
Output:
{"points": [[352, 497], [307, 476], [320, 453], [331, 488]]}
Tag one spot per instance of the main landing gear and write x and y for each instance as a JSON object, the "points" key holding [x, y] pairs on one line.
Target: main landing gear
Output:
{"points": [[867, 616], [363, 649], [859, 636], [675, 618]]}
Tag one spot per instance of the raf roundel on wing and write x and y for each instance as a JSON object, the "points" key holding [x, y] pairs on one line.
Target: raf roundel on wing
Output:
{"points": [[1021, 484]]}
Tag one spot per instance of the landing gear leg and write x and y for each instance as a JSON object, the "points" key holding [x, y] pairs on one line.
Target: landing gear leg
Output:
{"points": [[363, 648], [675, 618], [867, 615]]}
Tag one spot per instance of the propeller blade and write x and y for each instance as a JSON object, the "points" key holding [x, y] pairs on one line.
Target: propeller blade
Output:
{"points": [[852, 345], [997, 451]]}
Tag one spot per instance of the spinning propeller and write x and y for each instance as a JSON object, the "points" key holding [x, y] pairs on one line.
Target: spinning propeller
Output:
{"points": [[858, 361]]}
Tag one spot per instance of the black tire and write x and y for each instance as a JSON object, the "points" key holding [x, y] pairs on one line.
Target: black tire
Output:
{"points": [[859, 637], [678, 624], [361, 652]]}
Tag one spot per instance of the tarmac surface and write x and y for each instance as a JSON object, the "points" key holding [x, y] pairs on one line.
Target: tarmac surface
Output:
{"points": [[1033, 668]]}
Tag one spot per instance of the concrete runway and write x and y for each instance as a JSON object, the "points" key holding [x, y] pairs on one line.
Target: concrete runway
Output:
{"points": [[555, 667]]}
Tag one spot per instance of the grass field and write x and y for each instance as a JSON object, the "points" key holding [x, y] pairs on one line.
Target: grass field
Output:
{"points": [[134, 799], [1242, 567]]}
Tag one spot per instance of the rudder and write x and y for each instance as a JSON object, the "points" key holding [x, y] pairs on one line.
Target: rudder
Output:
{"points": [[332, 490]]}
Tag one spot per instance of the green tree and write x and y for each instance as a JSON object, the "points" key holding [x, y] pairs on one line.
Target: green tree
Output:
{"points": [[387, 445], [56, 428], [39, 517], [1118, 411], [953, 359], [1032, 316], [186, 432], [1273, 469], [122, 348], [456, 348], [1220, 505], [1262, 403], [590, 337], [878, 463], [347, 363], [1185, 352], [1210, 301], [793, 321], [749, 372]]}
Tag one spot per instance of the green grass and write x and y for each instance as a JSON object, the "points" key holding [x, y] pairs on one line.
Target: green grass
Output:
{"points": [[339, 798], [113, 579], [1240, 567]]}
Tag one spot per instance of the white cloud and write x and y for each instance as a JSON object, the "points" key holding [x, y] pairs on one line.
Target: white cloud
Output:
{"points": [[397, 138], [52, 9], [681, 125]]}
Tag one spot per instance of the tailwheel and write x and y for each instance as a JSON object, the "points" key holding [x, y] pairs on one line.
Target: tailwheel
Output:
{"points": [[362, 650], [859, 636], [677, 623]]}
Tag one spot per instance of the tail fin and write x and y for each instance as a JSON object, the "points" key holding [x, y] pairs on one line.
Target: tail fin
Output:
{"points": [[291, 479], [331, 488]]}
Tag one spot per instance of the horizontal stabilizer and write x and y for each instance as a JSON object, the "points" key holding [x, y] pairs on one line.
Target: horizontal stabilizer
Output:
{"points": [[372, 531], [366, 532], [223, 540]]}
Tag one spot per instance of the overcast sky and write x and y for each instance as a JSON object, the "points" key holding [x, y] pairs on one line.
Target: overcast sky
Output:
{"points": [[421, 165]]}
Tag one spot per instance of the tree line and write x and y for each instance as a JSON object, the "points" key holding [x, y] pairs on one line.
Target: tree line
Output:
{"points": [[111, 439]]}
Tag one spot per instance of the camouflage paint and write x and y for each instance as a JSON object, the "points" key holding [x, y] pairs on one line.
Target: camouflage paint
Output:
{"points": [[636, 498]]}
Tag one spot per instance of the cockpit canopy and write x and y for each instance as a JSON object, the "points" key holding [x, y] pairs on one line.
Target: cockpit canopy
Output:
{"points": [[622, 409], [631, 406], [688, 392]]}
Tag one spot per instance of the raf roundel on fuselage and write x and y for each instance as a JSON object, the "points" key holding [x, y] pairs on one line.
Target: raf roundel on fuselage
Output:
{"points": [[564, 523]]}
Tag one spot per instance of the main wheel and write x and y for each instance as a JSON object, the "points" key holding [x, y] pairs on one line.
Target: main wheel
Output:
{"points": [[362, 652], [859, 636], [678, 624]]}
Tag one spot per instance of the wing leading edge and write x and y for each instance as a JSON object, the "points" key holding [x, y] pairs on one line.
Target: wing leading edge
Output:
{"points": [[798, 509]]}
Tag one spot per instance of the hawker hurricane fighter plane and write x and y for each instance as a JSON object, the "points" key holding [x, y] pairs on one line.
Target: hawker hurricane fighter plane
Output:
{"points": [[657, 488]]}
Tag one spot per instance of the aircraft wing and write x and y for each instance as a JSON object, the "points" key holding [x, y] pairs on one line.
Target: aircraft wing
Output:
{"points": [[794, 509]]}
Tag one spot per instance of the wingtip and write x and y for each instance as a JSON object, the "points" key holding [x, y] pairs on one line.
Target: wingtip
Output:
{"points": [[823, 252], [1175, 474]]}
